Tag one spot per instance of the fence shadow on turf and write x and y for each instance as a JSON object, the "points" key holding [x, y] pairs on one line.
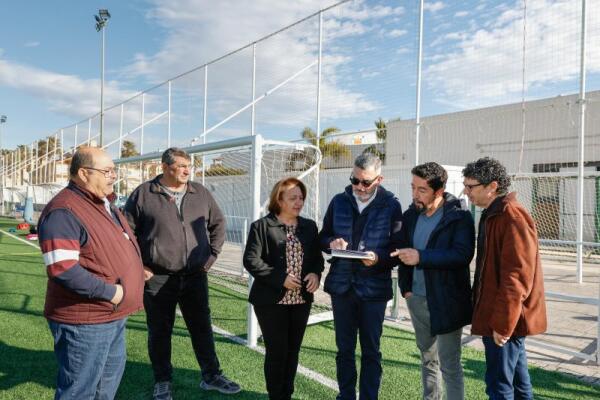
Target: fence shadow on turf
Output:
{"points": [[20, 366], [552, 382]]}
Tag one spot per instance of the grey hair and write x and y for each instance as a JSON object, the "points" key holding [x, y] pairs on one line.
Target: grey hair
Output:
{"points": [[168, 157], [367, 161]]}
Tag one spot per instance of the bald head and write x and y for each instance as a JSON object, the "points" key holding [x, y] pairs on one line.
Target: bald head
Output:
{"points": [[92, 169], [85, 156]]}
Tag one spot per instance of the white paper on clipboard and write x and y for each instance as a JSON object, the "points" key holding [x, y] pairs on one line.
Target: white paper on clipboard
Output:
{"points": [[360, 255]]}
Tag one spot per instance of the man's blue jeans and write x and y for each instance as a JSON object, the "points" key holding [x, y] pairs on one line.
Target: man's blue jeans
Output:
{"points": [[352, 315], [506, 375], [91, 359]]}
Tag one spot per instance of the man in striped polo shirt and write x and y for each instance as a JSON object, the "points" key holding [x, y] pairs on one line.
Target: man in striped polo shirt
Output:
{"points": [[95, 279]]}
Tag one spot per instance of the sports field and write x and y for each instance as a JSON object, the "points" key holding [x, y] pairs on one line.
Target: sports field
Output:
{"points": [[27, 364]]}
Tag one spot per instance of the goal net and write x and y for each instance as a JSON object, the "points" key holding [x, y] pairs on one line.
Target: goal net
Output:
{"points": [[226, 169]]}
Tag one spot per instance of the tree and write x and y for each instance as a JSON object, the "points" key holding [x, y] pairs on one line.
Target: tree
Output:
{"points": [[329, 148], [381, 133], [128, 149]]}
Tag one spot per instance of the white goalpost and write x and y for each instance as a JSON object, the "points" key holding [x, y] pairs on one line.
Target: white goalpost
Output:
{"points": [[239, 173]]}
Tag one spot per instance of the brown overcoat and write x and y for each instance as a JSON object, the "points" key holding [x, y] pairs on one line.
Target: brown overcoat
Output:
{"points": [[509, 294]]}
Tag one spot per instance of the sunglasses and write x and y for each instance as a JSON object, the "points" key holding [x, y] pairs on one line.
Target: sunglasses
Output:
{"points": [[366, 183]]}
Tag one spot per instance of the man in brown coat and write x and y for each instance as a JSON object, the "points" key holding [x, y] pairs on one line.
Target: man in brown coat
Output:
{"points": [[508, 290]]}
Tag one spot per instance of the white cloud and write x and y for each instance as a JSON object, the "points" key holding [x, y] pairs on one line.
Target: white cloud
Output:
{"points": [[65, 94], [460, 14], [358, 11], [486, 68], [433, 7], [197, 33], [394, 33], [32, 44]]}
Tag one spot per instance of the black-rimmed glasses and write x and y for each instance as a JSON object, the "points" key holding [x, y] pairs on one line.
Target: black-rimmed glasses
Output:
{"points": [[107, 172], [470, 187]]}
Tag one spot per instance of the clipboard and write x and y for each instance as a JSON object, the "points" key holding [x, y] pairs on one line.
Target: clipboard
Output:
{"points": [[359, 255]]}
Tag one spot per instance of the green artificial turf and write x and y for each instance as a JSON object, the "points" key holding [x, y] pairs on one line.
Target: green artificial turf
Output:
{"points": [[28, 367]]}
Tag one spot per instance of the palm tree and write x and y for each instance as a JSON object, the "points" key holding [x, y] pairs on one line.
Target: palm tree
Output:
{"points": [[128, 149], [329, 148], [381, 133], [332, 148]]}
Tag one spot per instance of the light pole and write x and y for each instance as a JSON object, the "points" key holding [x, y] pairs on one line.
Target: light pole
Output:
{"points": [[101, 21], [2, 121]]}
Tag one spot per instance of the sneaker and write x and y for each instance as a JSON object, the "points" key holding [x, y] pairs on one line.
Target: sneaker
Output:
{"points": [[221, 384], [162, 391]]}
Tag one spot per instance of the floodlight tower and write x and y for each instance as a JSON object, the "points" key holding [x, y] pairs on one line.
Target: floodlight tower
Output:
{"points": [[2, 121], [101, 22]]}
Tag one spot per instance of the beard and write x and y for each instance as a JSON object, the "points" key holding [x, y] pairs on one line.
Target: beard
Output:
{"points": [[420, 206], [364, 196]]}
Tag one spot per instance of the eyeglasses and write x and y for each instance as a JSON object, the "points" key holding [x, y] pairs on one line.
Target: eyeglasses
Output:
{"points": [[107, 172], [366, 183], [470, 187]]}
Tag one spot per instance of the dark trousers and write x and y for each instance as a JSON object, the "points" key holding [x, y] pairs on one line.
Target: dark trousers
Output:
{"points": [[162, 293], [282, 328], [506, 375], [351, 315]]}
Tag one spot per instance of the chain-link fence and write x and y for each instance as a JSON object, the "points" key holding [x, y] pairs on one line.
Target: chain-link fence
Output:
{"points": [[450, 82]]}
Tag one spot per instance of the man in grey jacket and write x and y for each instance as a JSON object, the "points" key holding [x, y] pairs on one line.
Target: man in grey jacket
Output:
{"points": [[180, 230]]}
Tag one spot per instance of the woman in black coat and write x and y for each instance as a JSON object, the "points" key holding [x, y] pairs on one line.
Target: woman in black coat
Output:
{"points": [[283, 255]]}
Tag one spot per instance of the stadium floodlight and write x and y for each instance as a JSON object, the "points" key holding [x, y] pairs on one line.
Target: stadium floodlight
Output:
{"points": [[101, 21]]}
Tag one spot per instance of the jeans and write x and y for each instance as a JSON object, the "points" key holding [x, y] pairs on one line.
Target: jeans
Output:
{"points": [[162, 293], [283, 328], [440, 354], [506, 375], [351, 315], [91, 359]]}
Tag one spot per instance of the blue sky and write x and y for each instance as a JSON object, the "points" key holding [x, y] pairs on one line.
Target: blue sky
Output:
{"points": [[49, 62]]}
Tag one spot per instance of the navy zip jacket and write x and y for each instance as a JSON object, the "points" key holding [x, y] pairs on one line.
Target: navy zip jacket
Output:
{"points": [[445, 263], [376, 229]]}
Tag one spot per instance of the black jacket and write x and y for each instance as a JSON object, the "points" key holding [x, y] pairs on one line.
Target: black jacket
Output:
{"points": [[265, 260], [174, 242], [445, 264]]}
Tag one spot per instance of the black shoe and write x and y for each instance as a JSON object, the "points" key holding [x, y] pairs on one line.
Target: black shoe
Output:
{"points": [[221, 384], [162, 391]]}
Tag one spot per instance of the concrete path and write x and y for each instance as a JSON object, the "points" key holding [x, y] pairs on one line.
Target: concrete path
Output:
{"points": [[570, 324]]}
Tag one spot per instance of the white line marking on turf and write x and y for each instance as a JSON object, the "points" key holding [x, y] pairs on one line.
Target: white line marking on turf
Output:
{"points": [[309, 373], [19, 239]]}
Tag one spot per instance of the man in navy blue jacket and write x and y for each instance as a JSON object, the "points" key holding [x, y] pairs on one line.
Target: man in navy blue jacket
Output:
{"points": [[438, 240], [367, 218]]}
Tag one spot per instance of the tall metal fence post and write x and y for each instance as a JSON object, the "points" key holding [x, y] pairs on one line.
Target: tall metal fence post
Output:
{"points": [[581, 148], [204, 122], [169, 119], [253, 119], [418, 99], [142, 137], [62, 146], [252, 325], [119, 152], [319, 71]]}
